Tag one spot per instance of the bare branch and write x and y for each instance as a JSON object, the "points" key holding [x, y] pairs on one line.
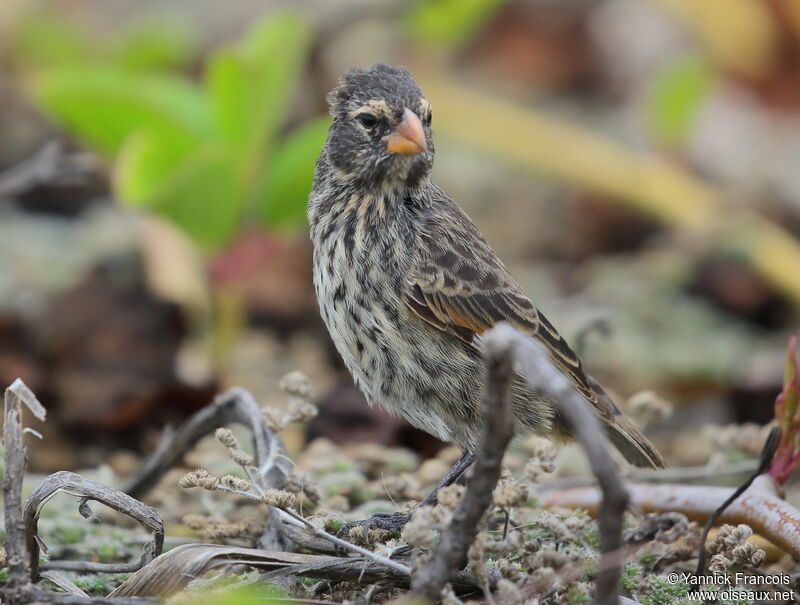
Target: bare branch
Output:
{"points": [[760, 506], [322, 534], [533, 363], [39, 595], [64, 481], [19, 571], [497, 433], [235, 406], [49, 164], [85, 567]]}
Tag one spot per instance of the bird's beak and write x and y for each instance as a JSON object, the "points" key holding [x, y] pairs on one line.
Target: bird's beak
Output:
{"points": [[409, 136]]}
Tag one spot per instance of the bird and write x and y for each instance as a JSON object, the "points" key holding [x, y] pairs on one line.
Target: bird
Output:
{"points": [[407, 284]]}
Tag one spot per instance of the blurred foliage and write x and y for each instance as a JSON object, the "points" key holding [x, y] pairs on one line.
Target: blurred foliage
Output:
{"points": [[787, 414], [450, 23], [46, 39], [208, 156], [655, 336], [740, 35], [648, 183], [675, 95]]}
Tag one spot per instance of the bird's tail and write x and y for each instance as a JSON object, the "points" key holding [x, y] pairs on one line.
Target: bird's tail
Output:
{"points": [[636, 448]]}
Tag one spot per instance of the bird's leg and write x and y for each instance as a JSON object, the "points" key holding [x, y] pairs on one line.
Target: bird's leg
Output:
{"points": [[396, 521], [452, 476]]}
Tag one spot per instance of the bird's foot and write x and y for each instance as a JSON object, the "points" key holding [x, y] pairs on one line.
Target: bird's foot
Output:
{"points": [[391, 522]]}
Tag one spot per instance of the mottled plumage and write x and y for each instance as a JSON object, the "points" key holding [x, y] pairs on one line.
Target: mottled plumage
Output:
{"points": [[406, 283]]}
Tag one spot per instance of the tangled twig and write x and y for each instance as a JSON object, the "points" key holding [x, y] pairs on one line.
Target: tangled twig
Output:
{"points": [[497, 433]]}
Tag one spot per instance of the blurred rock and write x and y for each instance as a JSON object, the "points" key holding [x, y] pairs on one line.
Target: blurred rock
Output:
{"points": [[111, 349], [43, 255], [737, 289]]}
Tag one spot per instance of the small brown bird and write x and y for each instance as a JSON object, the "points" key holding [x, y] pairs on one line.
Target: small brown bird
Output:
{"points": [[407, 284]]}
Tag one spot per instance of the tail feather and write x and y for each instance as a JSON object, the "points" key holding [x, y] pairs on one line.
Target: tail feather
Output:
{"points": [[629, 440], [636, 448]]}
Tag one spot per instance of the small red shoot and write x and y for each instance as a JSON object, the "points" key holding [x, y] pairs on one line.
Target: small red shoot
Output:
{"points": [[787, 416]]}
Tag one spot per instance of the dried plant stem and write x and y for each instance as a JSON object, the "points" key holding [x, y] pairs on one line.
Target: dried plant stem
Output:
{"points": [[760, 506], [72, 483], [287, 515], [234, 406], [19, 570], [497, 433], [532, 362], [320, 533], [767, 454], [91, 567], [49, 164], [21, 547]]}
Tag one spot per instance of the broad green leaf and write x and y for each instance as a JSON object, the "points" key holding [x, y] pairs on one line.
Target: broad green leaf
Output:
{"points": [[290, 175], [102, 105], [674, 97], [227, 82], [144, 164], [450, 23], [251, 85], [201, 196]]}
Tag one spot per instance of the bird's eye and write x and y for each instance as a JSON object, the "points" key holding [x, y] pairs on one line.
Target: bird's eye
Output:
{"points": [[428, 118], [367, 120]]}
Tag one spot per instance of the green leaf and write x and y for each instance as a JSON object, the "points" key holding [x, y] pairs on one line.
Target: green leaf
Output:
{"points": [[450, 23], [102, 106], [251, 85], [201, 196], [289, 178], [674, 97], [145, 163], [194, 188]]}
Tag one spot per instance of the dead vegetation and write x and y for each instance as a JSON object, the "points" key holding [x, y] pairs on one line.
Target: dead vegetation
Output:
{"points": [[504, 537]]}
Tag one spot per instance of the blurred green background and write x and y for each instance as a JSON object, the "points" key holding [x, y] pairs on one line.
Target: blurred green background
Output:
{"points": [[633, 161]]}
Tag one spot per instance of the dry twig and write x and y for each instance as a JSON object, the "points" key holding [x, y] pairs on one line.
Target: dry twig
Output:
{"points": [[72, 483], [173, 571], [17, 556], [236, 406], [21, 543], [532, 362], [49, 164], [759, 506], [767, 455], [497, 433]]}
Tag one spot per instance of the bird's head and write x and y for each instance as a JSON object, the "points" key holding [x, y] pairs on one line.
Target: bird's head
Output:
{"points": [[381, 131]]}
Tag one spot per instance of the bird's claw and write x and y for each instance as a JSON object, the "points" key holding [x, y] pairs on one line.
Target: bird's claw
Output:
{"points": [[391, 522]]}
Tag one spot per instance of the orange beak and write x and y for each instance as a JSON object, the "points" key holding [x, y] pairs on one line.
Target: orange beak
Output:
{"points": [[408, 137]]}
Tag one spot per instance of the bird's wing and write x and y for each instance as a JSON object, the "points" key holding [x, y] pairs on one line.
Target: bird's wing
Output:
{"points": [[465, 309], [460, 286]]}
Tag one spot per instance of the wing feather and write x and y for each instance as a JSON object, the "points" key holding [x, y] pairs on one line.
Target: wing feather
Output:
{"points": [[461, 287]]}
